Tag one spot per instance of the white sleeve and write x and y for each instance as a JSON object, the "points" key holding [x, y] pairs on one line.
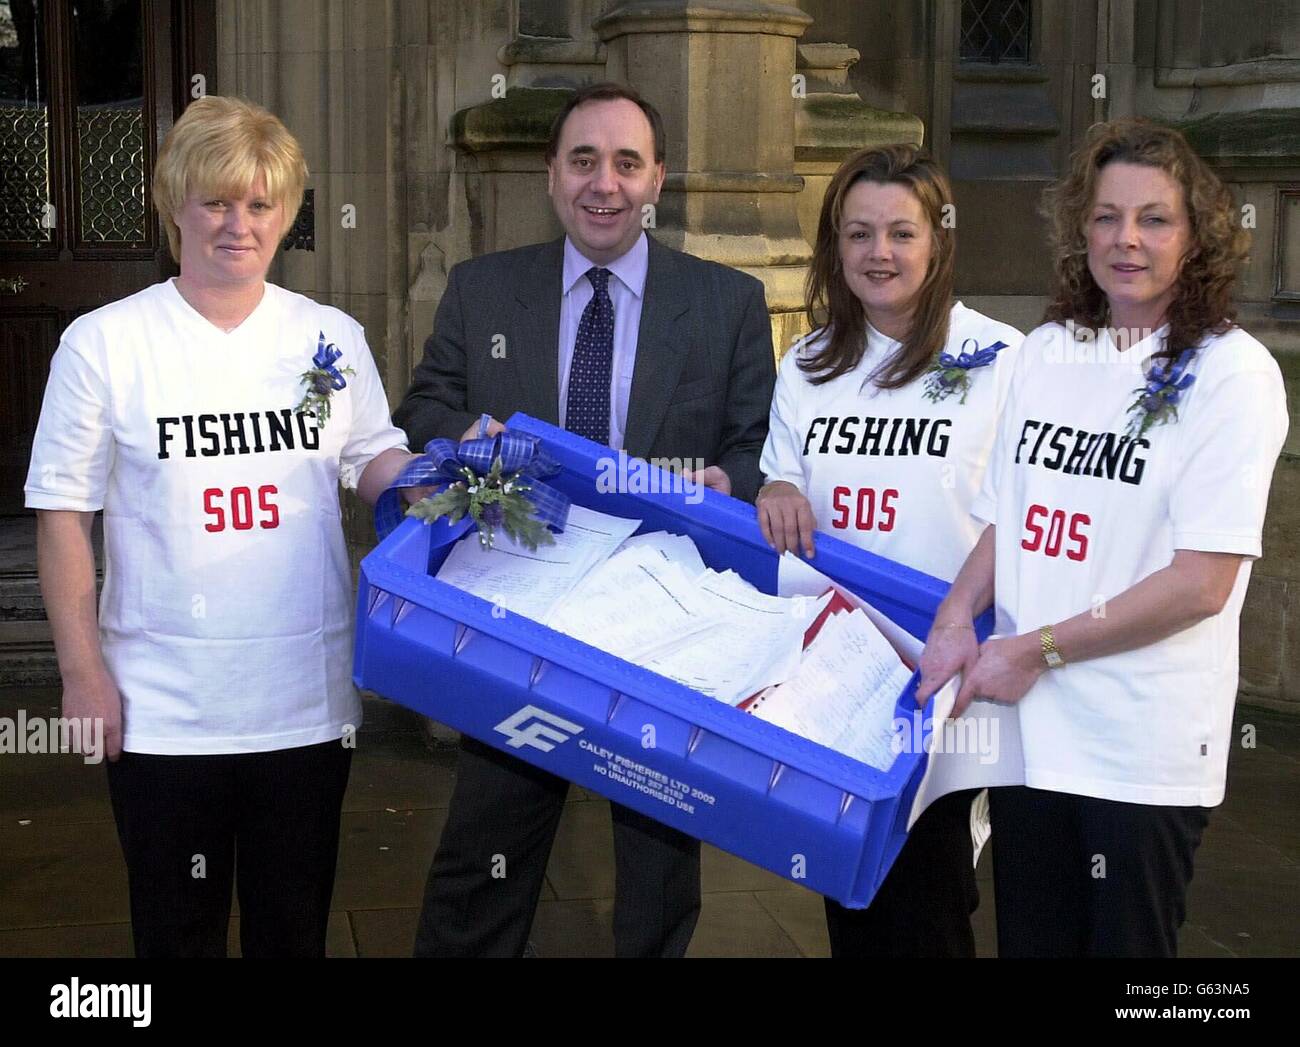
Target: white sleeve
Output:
{"points": [[72, 451], [985, 506], [1007, 365], [372, 430], [783, 451], [1230, 445]]}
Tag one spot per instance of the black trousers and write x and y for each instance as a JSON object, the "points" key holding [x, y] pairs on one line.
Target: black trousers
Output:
{"points": [[923, 908], [490, 864], [190, 825], [1079, 876]]}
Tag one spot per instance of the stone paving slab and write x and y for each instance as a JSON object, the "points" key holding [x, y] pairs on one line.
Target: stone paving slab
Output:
{"points": [[63, 884]]}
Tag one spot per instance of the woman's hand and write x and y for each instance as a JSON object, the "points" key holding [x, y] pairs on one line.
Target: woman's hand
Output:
{"points": [[383, 470], [1007, 667], [951, 648], [786, 518], [65, 560], [416, 494], [96, 698]]}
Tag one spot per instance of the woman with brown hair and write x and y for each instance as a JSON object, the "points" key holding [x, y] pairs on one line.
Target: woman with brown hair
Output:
{"points": [[880, 426], [1125, 502]]}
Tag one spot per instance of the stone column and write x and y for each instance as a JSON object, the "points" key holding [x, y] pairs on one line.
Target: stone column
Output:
{"points": [[723, 75], [832, 122], [553, 45]]}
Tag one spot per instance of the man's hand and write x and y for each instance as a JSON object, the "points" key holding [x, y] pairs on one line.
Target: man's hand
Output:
{"points": [[96, 698], [786, 518], [1007, 667], [493, 428], [713, 477]]}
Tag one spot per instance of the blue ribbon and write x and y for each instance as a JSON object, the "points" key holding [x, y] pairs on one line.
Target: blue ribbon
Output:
{"points": [[324, 360], [443, 462], [1169, 378], [968, 361]]}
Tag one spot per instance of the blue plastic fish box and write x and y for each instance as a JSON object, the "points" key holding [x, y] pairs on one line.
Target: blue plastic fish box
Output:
{"points": [[803, 811]]}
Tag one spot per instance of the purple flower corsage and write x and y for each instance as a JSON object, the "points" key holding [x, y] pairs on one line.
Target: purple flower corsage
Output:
{"points": [[951, 374], [1157, 402], [322, 381]]}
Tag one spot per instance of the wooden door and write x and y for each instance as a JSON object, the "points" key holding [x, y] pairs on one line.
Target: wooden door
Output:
{"points": [[88, 88]]}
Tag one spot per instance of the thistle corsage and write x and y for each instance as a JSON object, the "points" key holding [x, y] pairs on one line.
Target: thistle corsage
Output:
{"points": [[494, 480], [322, 381], [1157, 402], [950, 374], [495, 499]]}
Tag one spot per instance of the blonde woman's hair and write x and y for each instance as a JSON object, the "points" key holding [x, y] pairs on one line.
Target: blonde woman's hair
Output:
{"points": [[219, 146]]}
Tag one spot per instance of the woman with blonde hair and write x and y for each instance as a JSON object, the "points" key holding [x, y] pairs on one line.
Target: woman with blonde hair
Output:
{"points": [[881, 423], [211, 417], [1125, 502]]}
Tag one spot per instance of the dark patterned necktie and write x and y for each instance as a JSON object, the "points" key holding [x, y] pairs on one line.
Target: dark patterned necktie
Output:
{"points": [[590, 373]]}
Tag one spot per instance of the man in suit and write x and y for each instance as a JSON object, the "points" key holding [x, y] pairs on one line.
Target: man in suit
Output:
{"points": [[629, 343]]}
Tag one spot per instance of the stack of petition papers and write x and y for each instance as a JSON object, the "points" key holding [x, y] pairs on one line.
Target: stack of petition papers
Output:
{"points": [[648, 599], [531, 582], [651, 600]]}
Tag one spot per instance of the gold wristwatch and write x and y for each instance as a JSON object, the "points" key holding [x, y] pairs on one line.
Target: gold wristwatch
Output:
{"points": [[1051, 655]]}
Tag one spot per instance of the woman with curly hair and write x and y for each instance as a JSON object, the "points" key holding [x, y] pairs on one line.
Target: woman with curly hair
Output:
{"points": [[1125, 502], [881, 425]]}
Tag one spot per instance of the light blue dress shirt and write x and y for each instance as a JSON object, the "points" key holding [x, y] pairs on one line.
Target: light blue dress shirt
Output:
{"points": [[626, 291]]}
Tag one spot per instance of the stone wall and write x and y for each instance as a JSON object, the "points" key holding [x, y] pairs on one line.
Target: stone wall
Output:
{"points": [[370, 90], [425, 120], [1228, 76]]}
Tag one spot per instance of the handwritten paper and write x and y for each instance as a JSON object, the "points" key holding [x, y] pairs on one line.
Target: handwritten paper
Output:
{"points": [[756, 642], [845, 692]]}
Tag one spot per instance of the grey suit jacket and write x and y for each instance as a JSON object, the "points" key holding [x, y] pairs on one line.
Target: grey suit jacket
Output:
{"points": [[701, 386]]}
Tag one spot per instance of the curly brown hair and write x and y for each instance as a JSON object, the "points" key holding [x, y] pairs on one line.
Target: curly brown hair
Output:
{"points": [[829, 304], [1203, 299]]}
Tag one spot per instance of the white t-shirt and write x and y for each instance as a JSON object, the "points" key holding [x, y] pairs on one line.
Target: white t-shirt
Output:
{"points": [[226, 615], [887, 469], [895, 473], [1084, 513]]}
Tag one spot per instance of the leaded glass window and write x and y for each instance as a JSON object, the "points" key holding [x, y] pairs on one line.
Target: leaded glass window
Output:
{"points": [[995, 31]]}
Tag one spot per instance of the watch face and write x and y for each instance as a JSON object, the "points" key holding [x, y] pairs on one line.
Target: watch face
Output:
{"points": [[1053, 659]]}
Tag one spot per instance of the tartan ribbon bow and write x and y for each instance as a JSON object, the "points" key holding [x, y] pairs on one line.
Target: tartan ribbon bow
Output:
{"points": [[444, 462]]}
